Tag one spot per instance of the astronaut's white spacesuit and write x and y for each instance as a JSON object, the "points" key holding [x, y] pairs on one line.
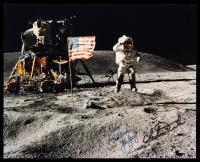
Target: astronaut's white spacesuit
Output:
{"points": [[126, 55]]}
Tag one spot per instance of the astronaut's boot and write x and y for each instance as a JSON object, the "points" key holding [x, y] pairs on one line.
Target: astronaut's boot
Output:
{"points": [[133, 88], [133, 84], [118, 83], [117, 88]]}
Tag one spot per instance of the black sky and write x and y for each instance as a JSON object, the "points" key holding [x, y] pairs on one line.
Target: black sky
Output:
{"points": [[165, 30]]}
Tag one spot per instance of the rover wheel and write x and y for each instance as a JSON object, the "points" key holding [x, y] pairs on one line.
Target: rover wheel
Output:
{"points": [[47, 86], [13, 85]]}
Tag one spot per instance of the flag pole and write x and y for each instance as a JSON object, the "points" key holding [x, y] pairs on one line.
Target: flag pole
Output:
{"points": [[70, 77], [70, 73]]}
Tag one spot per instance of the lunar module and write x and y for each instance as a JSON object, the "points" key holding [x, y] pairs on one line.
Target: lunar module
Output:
{"points": [[44, 63]]}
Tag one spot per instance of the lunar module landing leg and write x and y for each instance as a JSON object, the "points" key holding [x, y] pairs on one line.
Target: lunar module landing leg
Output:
{"points": [[12, 84]]}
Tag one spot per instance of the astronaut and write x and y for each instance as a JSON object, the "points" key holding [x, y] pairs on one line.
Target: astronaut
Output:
{"points": [[126, 55]]}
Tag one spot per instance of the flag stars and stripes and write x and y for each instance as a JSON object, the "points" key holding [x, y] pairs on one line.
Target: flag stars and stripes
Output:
{"points": [[81, 47]]}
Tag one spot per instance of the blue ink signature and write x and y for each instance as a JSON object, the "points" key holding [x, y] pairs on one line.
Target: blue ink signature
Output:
{"points": [[128, 139], [112, 127], [113, 132], [128, 142], [121, 132]]}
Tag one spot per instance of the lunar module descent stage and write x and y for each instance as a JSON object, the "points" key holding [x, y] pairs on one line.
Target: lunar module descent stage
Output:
{"points": [[44, 64]]}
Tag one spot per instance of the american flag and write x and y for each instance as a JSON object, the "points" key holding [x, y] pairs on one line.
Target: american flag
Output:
{"points": [[81, 47]]}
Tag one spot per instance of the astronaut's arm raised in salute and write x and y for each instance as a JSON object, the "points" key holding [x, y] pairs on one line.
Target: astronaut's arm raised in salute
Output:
{"points": [[119, 45], [116, 46]]}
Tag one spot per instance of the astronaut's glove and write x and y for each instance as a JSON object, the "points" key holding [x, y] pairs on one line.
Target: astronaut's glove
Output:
{"points": [[122, 39]]}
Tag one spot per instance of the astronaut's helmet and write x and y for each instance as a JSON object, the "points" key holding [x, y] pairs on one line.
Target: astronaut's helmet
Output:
{"points": [[128, 44]]}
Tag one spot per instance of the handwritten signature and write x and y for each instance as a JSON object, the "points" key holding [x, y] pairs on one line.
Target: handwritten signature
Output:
{"points": [[122, 133], [161, 128], [130, 139]]}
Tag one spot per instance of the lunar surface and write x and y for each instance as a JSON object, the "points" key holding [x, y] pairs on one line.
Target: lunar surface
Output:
{"points": [[92, 121]]}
